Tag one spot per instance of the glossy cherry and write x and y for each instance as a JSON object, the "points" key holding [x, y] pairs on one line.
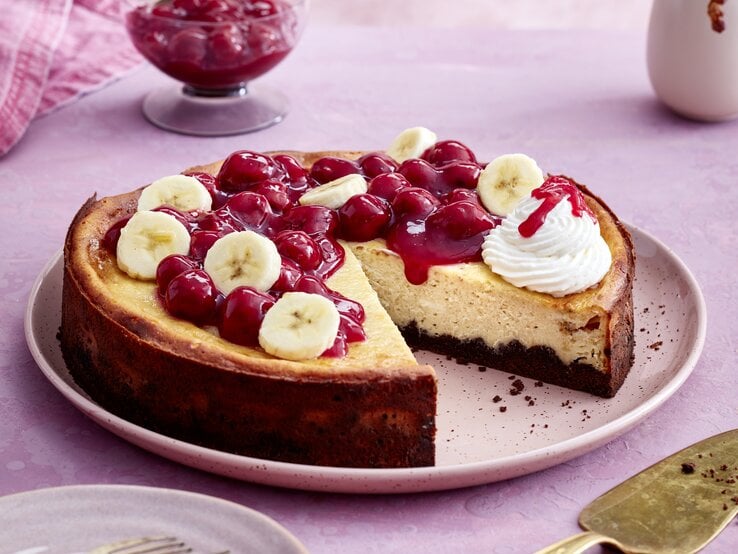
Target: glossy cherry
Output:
{"points": [[220, 221], [457, 195], [170, 267], [300, 247], [261, 8], [191, 295], [313, 285], [276, 192], [446, 151], [241, 315], [387, 185], [243, 169], [443, 179], [226, 46], [460, 175], [295, 172], [364, 217], [311, 219], [414, 203], [249, 208], [201, 241], [188, 46], [460, 220], [328, 169], [289, 274], [110, 240], [419, 173], [376, 163]]}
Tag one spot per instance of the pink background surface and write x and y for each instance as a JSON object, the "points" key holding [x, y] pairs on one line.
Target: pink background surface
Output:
{"points": [[579, 103], [520, 14]]}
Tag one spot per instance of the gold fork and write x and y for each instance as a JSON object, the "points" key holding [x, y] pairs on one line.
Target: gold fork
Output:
{"points": [[146, 545]]}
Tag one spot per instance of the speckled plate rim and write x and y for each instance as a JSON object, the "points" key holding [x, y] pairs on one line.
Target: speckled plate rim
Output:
{"points": [[175, 510], [376, 481]]}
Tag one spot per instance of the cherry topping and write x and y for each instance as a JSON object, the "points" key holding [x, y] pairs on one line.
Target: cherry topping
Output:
{"points": [[328, 169], [170, 267], [292, 167], [110, 240], [187, 5], [226, 46], [458, 195], [387, 185], [260, 8], [220, 221], [201, 241], [184, 219], [376, 163], [311, 284], [443, 179], [460, 220], [555, 189], [339, 348], [208, 181], [264, 38], [460, 174], [167, 10], [419, 173], [189, 46], [311, 219], [244, 168], [300, 247], [364, 217], [249, 208], [218, 10], [446, 151], [214, 44], [241, 315], [352, 329], [414, 203], [275, 192], [288, 276], [347, 307], [191, 295]]}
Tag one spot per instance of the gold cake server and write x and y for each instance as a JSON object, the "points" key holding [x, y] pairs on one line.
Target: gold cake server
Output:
{"points": [[676, 506]]}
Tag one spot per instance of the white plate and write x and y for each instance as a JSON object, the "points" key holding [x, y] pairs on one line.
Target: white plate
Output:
{"points": [[476, 442], [78, 519]]}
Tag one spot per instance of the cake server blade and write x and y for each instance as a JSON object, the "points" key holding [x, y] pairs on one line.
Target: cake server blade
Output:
{"points": [[677, 505]]}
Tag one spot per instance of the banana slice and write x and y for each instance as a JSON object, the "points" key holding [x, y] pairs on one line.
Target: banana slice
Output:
{"points": [[147, 239], [244, 258], [411, 143], [182, 192], [507, 180], [335, 193], [300, 326]]}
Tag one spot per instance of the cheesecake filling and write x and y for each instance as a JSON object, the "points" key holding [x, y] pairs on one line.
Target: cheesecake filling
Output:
{"points": [[550, 243]]}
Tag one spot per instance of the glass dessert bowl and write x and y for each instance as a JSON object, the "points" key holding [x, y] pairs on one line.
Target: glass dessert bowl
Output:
{"points": [[215, 48]]}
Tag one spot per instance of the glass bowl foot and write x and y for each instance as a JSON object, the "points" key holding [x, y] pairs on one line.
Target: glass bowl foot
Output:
{"points": [[197, 112]]}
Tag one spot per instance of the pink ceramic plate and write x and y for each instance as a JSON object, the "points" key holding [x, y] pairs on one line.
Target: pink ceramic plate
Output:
{"points": [[477, 442], [78, 519]]}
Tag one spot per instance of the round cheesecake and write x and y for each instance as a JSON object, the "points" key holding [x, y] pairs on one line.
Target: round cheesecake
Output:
{"points": [[373, 407]]}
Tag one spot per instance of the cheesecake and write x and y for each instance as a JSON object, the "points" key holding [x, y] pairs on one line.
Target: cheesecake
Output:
{"points": [[273, 315]]}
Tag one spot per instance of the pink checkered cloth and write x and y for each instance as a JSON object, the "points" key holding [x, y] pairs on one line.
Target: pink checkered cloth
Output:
{"points": [[53, 51]]}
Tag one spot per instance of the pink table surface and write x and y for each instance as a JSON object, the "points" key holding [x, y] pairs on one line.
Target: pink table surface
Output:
{"points": [[579, 103]]}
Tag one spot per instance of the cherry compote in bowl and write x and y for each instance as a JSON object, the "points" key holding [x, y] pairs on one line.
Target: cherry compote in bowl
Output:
{"points": [[215, 48]]}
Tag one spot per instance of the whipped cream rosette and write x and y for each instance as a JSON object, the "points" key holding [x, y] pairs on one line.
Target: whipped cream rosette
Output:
{"points": [[550, 242]]}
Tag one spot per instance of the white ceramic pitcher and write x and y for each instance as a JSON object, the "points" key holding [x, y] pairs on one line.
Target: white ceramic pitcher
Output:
{"points": [[693, 68]]}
